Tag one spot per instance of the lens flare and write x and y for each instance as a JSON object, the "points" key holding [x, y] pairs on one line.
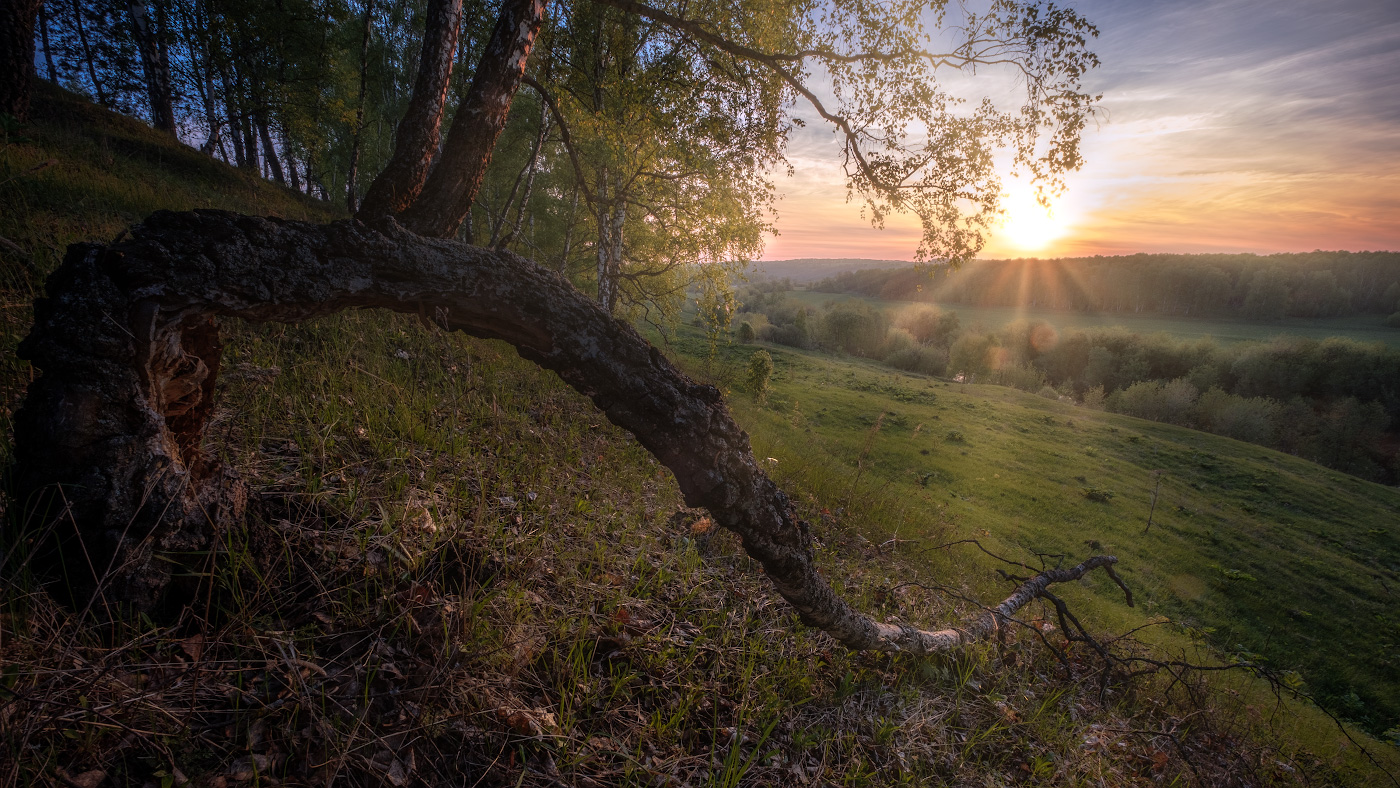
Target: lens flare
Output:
{"points": [[1026, 224]]}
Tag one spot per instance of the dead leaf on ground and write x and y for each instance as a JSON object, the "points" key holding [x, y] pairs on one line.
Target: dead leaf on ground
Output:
{"points": [[88, 779], [529, 722], [193, 646]]}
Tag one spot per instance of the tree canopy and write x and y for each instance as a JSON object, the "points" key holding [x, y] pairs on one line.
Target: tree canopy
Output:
{"points": [[652, 136]]}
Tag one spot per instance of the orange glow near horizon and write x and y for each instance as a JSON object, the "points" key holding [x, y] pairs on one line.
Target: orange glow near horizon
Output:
{"points": [[1227, 127]]}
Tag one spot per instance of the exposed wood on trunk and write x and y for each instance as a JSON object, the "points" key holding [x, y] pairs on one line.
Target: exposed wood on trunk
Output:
{"points": [[155, 66], [128, 350], [416, 143], [451, 189], [17, 19]]}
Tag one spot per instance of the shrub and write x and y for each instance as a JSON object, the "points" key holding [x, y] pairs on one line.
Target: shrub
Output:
{"points": [[1171, 402], [746, 332], [1097, 494], [896, 340], [971, 354], [923, 360], [1093, 398], [1252, 419], [1020, 376], [760, 371], [792, 335], [1393, 321], [854, 327], [929, 325]]}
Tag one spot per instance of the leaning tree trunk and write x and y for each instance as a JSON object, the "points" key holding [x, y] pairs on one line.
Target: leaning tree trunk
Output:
{"points": [[274, 162], [17, 19], [128, 349], [416, 142], [155, 66], [451, 188]]}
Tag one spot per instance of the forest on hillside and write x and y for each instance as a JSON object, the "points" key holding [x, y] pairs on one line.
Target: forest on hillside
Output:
{"points": [[1256, 287]]}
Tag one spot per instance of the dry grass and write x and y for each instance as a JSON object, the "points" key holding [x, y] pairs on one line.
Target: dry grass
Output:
{"points": [[456, 572]]}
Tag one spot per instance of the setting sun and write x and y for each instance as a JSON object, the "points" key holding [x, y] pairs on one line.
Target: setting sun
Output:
{"points": [[1027, 224]]}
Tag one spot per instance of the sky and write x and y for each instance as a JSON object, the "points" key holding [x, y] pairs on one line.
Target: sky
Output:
{"points": [[1227, 126]]}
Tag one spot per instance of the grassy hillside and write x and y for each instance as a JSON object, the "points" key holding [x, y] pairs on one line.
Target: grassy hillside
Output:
{"points": [[1259, 552], [80, 173], [454, 571]]}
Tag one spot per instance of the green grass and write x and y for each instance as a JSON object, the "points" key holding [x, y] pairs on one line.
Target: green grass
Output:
{"points": [[455, 570], [1362, 328], [80, 173], [1257, 551]]}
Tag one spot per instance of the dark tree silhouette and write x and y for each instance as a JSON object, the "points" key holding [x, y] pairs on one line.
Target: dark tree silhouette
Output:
{"points": [[17, 18]]}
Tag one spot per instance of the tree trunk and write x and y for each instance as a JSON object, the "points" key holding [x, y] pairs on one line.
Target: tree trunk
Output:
{"points": [[563, 266], [197, 19], [128, 348], [612, 213], [87, 54], [416, 143], [155, 67], [235, 132], [48, 47], [526, 175], [352, 187], [17, 19], [274, 162], [451, 188], [292, 176]]}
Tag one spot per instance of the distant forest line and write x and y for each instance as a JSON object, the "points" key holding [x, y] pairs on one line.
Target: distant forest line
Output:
{"points": [[1334, 401], [1272, 287]]}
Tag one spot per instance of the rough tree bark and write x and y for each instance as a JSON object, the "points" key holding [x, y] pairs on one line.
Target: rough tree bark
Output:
{"points": [[451, 188], [155, 66], [128, 349], [17, 19], [416, 141]]}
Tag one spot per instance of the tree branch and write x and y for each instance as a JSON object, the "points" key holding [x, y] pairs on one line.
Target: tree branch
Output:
{"points": [[127, 346], [564, 136]]}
